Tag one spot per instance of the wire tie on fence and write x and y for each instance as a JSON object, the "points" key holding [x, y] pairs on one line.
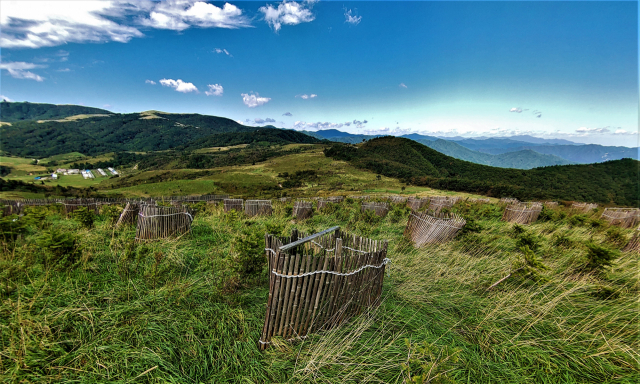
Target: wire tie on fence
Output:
{"points": [[384, 262]]}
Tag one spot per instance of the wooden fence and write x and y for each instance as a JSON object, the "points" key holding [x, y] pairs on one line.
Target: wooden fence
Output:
{"points": [[258, 208], [416, 203], [71, 206], [210, 199], [320, 281], [509, 200], [284, 199], [584, 207], [550, 204], [634, 244], [302, 209], [623, 217], [155, 222], [437, 203], [479, 200], [12, 208], [129, 215], [233, 204], [397, 199], [380, 209], [522, 213], [430, 227]]}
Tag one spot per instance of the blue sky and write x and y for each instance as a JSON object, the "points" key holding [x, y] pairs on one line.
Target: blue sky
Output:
{"points": [[549, 69]]}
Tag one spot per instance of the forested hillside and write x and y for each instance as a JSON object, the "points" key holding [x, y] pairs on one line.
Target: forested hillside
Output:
{"points": [[609, 182], [12, 112]]}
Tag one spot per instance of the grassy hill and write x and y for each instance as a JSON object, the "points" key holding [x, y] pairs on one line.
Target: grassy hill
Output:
{"points": [[610, 182], [19, 111]]}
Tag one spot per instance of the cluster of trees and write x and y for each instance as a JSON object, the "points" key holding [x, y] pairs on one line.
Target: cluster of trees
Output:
{"points": [[608, 182]]}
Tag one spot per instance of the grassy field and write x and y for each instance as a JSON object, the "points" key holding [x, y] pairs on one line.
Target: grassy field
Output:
{"points": [[183, 311]]}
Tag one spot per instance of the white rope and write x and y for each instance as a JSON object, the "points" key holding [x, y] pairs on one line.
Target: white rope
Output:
{"points": [[384, 262]]}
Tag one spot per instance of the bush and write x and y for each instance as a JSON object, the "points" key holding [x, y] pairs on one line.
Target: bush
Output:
{"points": [[111, 213], [562, 240], [526, 239], [599, 257], [11, 227], [604, 292], [60, 248], [397, 213], [84, 216], [615, 236], [249, 248], [577, 220]]}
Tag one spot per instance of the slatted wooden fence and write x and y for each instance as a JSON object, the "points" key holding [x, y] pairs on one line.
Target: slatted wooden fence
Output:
{"points": [[284, 199], [156, 222], [397, 199], [634, 244], [430, 227], [71, 206], [550, 204], [12, 208], [233, 204], [522, 213], [210, 199], [302, 209], [258, 208], [416, 203], [320, 281], [623, 217], [322, 202], [437, 203], [584, 207], [509, 200], [129, 215], [479, 200], [380, 209]]}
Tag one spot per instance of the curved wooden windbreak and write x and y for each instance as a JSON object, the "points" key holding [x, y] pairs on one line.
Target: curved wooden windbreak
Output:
{"points": [[156, 222], [11, 207], [480, 200], [584, 207], [509, 200], [233, 204], [302, 209], [322, 203], [429, 227], [522, 213], [209, 199], [284, 199], [416, 203], [397, 199], [623, 217], [129, 215], [363, 197], [72, 205], [436, 203], [634, 244], [258, 208], [380, 209], [320, 281], [550, 204]]}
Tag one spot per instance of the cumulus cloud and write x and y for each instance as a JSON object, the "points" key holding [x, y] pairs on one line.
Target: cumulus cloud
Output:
{"points": [[150, 82], [222, 50], [350, 18], [402, 85], [252, 100], [19, 70], [5, 98], [287, 13], [287, 114], [592, 130], [214, 90], [180, 15], [39, 23], [516, 110], [179, 85], [624, 132], [305, 97], [269, 120]]}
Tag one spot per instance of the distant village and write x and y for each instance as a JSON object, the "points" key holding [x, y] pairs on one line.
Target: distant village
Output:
{"points": [[86, 173]]}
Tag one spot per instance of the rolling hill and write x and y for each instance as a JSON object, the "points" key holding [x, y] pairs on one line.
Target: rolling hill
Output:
{"points": [[13, 112], [608, 182], [588, 153]]}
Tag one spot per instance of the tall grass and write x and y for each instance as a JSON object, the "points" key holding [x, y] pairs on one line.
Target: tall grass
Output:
{"points": [[182, 310]]}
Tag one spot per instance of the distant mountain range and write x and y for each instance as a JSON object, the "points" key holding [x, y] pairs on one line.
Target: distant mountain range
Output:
{"points": [[523, 151]]}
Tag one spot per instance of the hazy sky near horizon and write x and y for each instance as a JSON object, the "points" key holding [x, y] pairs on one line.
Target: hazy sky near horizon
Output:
{"points": [[549, 69]]}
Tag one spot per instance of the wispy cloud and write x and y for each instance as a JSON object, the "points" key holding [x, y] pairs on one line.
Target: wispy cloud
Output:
{"points": [[287, 114], [179, 85], [253, 100], [402, 85], [593, 130], [214, 90], [5, 98], [623, 132], [63, 70], [305, 97], [19, 70], [222, 50], [350, 18], [150, 82], [303, 125], [288, 13], [516, 110]]}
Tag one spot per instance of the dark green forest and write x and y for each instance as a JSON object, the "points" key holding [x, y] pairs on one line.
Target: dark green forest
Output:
{"points": [[13, 112], [609, 182]]}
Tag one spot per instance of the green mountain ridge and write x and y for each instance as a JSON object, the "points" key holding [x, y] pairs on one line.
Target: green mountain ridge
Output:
{"points": [[11, 112], [609, 182]]}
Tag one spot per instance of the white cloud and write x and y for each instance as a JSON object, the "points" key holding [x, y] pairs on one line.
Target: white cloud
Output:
{"points": [[254, 100], [214, 90], [402, 85], [35, 24], [5, 98], [287, 114], [107, 106], [222, 50], [592, 130], [624, 132], [179, 85], [150, 82], [38, 23], [305, 97], [288, 13], [18, 70], [516, 110], [63, 70], [349, 18], [302, 125]]}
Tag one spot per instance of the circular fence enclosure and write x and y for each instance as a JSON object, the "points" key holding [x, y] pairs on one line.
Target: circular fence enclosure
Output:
{"points": [[584, 207], [129, 215], [397, 199], [71, 206], [623, 217], [380, 209], [430, 227], [155, 222], [416, 203], [437, 203], [233, 204], [522, 213], [258, 208], [302, 209], [509, 200], [634, 244]]}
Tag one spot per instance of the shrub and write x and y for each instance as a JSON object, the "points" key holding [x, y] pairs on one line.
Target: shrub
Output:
{"points": [[111, 213], [472, 226], [562, 240], [604, 292], [614, 235], [545, 215], [11, 227], [429, 363], [60, 248], [577, 220], [528, 240], [249, 248], [517, 230], [84, 216], [599, 257]]}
